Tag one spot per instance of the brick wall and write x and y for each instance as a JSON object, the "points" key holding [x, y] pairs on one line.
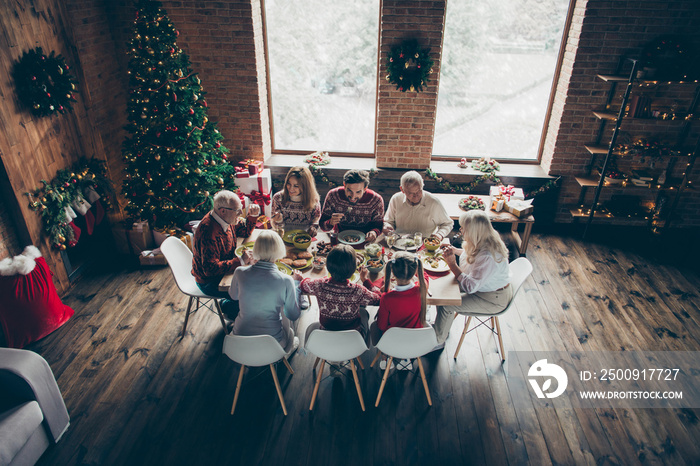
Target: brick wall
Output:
{"points": [[406, 120], [224, 42], [601, 33]]}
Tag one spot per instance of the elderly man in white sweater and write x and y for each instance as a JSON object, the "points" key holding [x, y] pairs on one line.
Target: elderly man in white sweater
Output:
{"points": [[415, 210]]}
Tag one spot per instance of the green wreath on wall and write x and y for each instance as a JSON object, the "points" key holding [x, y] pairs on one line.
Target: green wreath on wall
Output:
{"points": [[409, 66], [43, 82]]}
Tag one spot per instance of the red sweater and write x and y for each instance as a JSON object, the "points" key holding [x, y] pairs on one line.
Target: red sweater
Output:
{"points": [[214, 249], [399, 309], [367, 215]]}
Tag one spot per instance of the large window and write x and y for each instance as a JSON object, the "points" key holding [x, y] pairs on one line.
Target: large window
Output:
{"points": [[323, 73], [499, 58]]}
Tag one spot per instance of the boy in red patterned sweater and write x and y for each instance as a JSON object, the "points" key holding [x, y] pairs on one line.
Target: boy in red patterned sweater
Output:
{"points": [[341, 303]]}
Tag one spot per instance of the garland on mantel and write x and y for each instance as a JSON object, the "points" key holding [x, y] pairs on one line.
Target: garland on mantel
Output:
{"points": [[53, 200]]}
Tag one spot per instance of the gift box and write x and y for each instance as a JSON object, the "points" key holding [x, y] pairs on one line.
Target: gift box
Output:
{"points": [[141, 237], [506, 193], [242, 172], [519, 208], [254, 167], [159, 235], [257, 189], [154, 257]]}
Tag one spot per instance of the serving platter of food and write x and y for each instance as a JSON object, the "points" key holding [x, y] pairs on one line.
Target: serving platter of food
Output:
{"points": [[298, 260], [288, 236]]}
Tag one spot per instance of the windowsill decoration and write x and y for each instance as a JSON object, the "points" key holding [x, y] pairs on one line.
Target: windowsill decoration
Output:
{"points": [[43, 82], [486, 165], [409, 66]]}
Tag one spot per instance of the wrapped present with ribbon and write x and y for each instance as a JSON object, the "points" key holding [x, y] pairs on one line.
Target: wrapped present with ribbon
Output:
{"points": [[254, 167], [264, 223], [242, 172], [160, 234], [519, 208], [501, 195], [154, 257], [257, 188]]}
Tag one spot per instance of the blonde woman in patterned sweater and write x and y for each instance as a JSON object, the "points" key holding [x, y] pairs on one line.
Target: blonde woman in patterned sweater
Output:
{"points": [[297, 206]]}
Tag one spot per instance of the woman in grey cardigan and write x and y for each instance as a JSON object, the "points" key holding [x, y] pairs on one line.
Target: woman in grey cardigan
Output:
{"points": [[268, 299]]}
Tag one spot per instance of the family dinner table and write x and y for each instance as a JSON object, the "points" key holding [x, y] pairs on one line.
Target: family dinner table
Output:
{"points": [[443, 289], [451, 204]]}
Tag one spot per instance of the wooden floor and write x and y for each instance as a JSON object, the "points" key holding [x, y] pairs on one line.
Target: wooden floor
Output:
{"points": [[138, 394]]}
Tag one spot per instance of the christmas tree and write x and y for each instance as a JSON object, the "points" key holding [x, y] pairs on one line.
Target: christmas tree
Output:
{"points": [[175, 161]]}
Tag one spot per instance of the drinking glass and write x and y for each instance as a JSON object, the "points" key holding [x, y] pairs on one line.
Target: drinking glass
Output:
{"points": [[391, 240], [418, 239], [279, 229], [333, 235]]}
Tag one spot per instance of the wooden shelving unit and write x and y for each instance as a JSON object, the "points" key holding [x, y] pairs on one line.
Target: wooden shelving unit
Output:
{"points": [[671, 188]]}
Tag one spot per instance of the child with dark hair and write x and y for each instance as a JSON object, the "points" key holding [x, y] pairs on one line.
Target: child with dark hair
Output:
{"points": [[405, 305], [341, 303]]}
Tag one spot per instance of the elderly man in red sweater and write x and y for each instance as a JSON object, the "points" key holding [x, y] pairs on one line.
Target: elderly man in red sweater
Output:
{"points": [[215, 245]]}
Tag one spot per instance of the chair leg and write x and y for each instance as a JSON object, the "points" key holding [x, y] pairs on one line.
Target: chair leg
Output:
{"points": [[220, 312], [379, 353], [289, 367], [500, 340], [279, 389], [238, 389], [359, 361], [386, 376], [316, 363], [318, 382], [464, 333], [357, 384], [425, 382], [187, 315]]}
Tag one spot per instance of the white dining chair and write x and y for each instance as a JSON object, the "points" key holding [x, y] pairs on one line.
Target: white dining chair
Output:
{"points": [[336, 347], [179, 259], [405, 343], [256, 351], [520, 269]]}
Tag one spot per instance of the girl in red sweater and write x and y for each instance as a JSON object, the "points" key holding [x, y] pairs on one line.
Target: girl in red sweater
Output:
{"points": [[405, 305]]}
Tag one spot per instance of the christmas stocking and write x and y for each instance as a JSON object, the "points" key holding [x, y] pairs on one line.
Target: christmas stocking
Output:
{"points": [[82, 206], [97, 208], [76, 234]]}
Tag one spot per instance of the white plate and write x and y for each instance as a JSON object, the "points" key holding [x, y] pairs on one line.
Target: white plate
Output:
{"points": [[343, 234], [401, 241], [440, 267]]}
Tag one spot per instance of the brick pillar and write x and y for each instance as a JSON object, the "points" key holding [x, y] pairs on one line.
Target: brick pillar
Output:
{"points": [[406, 120]]}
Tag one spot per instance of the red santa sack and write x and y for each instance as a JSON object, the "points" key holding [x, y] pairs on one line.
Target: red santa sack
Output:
{"points": [[30, 307]]}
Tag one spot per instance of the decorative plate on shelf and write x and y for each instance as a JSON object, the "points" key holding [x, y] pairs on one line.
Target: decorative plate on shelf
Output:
{"points": [[471, 203]]}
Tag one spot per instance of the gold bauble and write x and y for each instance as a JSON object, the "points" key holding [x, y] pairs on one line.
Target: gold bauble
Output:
{"points": [[197, 171], [61, 238], [157, 157]]}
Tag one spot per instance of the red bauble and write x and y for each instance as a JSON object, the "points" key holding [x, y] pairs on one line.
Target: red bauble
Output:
{"points": [[191, 111], [217, 145]]}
